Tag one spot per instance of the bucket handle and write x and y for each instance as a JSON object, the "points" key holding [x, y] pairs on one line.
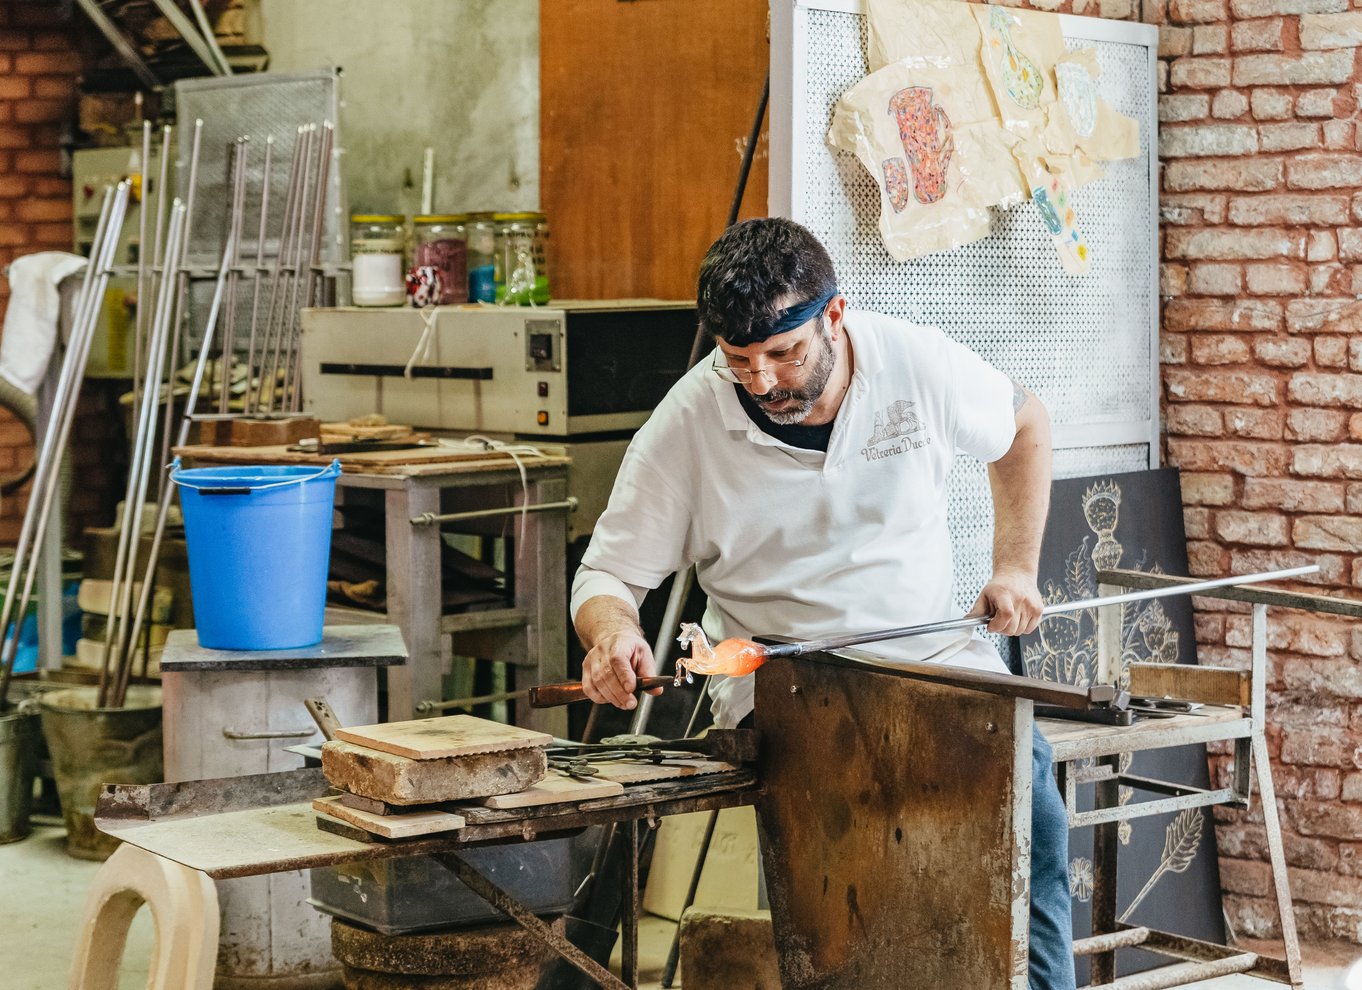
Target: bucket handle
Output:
{"points": [[330, 471]]}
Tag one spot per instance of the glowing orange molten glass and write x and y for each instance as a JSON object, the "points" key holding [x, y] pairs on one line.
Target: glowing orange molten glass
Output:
{"points": [[734, 657]]}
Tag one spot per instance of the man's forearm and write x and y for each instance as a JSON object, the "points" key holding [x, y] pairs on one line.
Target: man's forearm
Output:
{"points": [[1020, 480], [605, 615]]}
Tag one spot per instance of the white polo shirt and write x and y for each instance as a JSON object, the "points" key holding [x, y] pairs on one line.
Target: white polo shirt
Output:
{"points": [[802, 543]]}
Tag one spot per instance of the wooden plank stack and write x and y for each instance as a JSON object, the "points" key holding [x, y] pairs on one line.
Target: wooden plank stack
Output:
{"points": [[403, 779]]}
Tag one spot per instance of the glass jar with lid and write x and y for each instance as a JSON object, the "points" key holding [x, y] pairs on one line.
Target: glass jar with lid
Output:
{"points": [[482, 238], [522, 276], [440, 241], [377, 246]]}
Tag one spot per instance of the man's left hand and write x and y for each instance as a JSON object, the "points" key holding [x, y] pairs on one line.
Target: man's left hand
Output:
{"points": [[1014, 601]]}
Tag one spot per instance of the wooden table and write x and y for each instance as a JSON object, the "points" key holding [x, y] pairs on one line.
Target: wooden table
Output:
{"points": [[240, 827], [531, 633]]}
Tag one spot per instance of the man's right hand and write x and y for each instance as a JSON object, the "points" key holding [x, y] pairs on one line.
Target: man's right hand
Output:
{"points": [[613, 666]]}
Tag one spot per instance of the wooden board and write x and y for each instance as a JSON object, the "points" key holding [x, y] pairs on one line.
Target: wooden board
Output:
{"points": [[368, 462], [451, 735], [390, 826], [669, 101], [556, 788], [641, 773]]}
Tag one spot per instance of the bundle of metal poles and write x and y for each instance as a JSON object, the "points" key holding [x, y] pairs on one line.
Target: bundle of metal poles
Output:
{"points": [[46, 480], [295, 278]]}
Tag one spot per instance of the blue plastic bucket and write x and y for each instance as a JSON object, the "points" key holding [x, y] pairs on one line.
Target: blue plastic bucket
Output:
{"points": [[259, 543]]}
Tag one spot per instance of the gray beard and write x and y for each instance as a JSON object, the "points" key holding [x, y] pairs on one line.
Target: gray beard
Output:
{"points": [[808, 393]]}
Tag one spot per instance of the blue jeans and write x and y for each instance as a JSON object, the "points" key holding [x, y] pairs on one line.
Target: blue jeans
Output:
{"points": [[1052, 961]]}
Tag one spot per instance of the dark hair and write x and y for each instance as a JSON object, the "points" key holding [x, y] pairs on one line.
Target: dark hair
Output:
{"points": [[749, 268]]}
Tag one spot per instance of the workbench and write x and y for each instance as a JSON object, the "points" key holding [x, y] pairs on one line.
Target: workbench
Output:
{"points": [[416, 487], [264, 824]]}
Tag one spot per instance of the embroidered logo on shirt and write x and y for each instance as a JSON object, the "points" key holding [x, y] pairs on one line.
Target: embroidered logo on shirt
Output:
{"points": [[894, 429]]}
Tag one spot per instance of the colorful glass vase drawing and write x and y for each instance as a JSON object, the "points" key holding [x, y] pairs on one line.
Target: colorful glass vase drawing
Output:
{"points": [[1021, 77], [928, 142], [1053, 202], [1079, 96], [896, 183]]}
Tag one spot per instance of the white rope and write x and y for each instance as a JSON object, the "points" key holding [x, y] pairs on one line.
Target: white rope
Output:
{"points": [[515, 451]]}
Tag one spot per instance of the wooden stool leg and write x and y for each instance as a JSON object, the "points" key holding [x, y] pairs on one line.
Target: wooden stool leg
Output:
{"points": [[1281, 887], [184, 909]]}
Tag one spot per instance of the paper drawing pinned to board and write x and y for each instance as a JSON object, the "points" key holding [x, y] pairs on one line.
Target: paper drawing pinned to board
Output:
{"points": [[1079, 96], [1021, 77], [1055, 204], [896, 183], [925, 130]]}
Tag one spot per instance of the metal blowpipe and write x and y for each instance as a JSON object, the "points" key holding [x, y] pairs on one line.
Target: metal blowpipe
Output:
{"points": [[971, 621], [736, 657]]}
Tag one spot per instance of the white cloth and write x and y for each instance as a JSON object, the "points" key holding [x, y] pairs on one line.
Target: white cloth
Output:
{"points": [[31, 320], [799, 543]]}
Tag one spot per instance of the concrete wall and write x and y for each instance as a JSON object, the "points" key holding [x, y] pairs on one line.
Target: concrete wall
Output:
{"points": [[461, 76]]}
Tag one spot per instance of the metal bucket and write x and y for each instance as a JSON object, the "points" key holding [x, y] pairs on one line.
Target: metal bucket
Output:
{"points": [[20, 733], [91, 746]]}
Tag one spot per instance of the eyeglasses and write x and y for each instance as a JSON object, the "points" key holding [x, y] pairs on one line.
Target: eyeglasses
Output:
{"points": [[775, 371]]}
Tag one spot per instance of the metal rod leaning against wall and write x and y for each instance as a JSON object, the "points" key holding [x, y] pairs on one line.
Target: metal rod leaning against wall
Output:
{"points": [[288, 270], [129, 535], [293, 372], [259, 268], [236, 183], [230, 251], [255, 397], [112, 213]]}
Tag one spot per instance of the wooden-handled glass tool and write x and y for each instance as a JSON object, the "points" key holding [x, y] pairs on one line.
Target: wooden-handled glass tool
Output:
{"points": [[737, 657]]}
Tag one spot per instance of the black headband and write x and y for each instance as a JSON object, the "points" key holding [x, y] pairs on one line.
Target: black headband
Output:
{"points": [[793, 317]]}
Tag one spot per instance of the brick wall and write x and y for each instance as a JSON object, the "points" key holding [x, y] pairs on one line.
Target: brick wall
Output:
{"points": [[41, 56], [1262, 376]]}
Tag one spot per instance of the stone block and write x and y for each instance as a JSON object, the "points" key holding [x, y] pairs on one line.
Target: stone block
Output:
{"points": [[404, 781], [724, 951]]}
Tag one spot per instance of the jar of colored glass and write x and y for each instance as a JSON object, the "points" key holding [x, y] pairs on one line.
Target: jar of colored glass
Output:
{"points": [[482, 239], [522, 276], [377, 247], [441, 242]]}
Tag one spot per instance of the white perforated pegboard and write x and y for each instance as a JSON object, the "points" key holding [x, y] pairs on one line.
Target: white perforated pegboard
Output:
{"points": [[1087, 346]]}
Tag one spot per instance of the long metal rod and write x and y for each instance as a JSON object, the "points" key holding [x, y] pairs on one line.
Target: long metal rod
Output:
{"points": [[167, 492], [292, 275], [129, 536], [47, 483], [120, 44], [568, 504], [972, 621], [181, 299], [482, 699], [235, 208], [281, 248], [144, 209], [185, 27], [292, 371], [259, 266]]}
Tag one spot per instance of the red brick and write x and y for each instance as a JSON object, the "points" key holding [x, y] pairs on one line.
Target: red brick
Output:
{"points": [[1292, 496], [1327, 461], [1275, 279], [1331, 30], [1322, 246], [1331, 566], [1310, 68], [1219, 349], [53, 235], [1197, 11], [1269, 8], [1249, 175], [1282, 352], [48, 63], [38, 161], [1331, 352], [1213, 314], [1339, 134], [1184, 106], [1316, 103], [1172, 280], [1196, 421], [1258, 424], [1264, 242], [1258, 36], [60, 188], [1250, 459], [54, 88], [1262, 529], [1271, 104], [1314, 389], [39, 111], [1289, 137], [1207, 488], [1328, 533], [13, 87], [1211, 39], [1314, 425], [1313, 315], [1323, 748], [1174, 41], [1324, 171], [1196, 522], [1172, 349], [1216, 279], [1355, 506], [1216, 386], [1229, 104], [1197, 209], [1207, 140], [1199, 73], [1206, 558], [45, 209]]}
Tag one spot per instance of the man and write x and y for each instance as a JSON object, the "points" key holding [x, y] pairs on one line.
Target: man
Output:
{"points": [[802, 470]]}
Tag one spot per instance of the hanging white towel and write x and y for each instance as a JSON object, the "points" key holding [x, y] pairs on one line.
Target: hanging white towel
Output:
{"points": [[30, 333]]}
